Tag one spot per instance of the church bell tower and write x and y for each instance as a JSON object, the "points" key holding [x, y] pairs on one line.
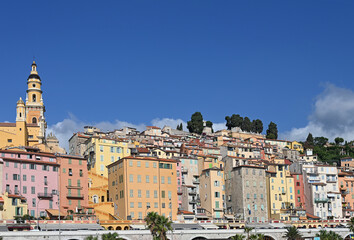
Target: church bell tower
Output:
{"points": [[34, 103]]}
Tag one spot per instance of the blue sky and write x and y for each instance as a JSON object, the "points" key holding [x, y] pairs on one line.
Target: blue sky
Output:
{"points": [[135, 61]]}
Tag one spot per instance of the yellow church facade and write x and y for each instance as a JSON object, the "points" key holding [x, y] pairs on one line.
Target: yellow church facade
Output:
{"points": [[29, 130]]}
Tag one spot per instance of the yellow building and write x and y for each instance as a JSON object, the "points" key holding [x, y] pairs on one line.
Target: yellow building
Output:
{"points": [[12, 206], [212, 192], [294, 145], [102, 151], [138, 185], [281, 192], [29, 128]]}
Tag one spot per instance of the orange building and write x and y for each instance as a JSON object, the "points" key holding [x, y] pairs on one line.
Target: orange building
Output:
{"points": [[346, 185], [138, 185], [74, 187]]}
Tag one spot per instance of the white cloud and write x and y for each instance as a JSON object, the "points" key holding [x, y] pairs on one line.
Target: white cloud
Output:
{"points": [[168, 122], [333, 116]]}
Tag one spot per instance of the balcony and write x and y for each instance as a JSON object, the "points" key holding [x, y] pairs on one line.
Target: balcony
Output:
{"points": [[331, 180], [283, 192], [196, 181], [192, 192], [179, 192], [193, 201], [45, 195], [75, 196], [73, 187], [184, 170], [321, 200]]}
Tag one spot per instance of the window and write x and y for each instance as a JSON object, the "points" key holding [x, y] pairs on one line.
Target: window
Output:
{"points": [[139, 193], [102, 167], [147, 178], [33, 190], [70, 172], [162, 180], [155, 179], [169, 195], [131, 193], [154, 165], [162, 194], [32, 166], [81, 173], [24, 190], [16, 177], [80, 162], [70, 161], [33, 178], [255, 196], [155, 193], [130, 163], [147, 193], [146, 164], [156, 205], [33, 202], [24, 177], [217, 194], [131, 204], [15, 165], [139, 178], [140, 205], [138, 164], [130, 177], [24, 165], [169, 180], [248, 196]]}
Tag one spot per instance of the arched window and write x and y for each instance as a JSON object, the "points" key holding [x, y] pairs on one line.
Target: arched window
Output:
{"points": [[34, 97], [34, 120], [95, 199], [20, 114]]}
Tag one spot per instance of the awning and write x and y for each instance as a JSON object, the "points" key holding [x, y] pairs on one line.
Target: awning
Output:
{"points": [[54, 212], [138, 227], [208, 226], [1, 199]]}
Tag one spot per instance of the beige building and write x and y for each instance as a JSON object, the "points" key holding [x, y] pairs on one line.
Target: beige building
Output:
{"points": [[138, 185], [212, 192], [246, 193]]}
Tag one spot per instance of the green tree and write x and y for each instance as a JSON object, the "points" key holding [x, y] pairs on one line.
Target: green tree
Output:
{"points": [[338, 140], [309, 139], [163, 225], [151, 220], [247, 231], [158, 225], [253, 237], [111, 236], [246, 125], [195, 125], [91, 238], [257, 126], [351, 224], [292, 233], [238, 237], [180, 127], [272, 131], [260, 236], [234, 121], [209, 124], [320, 141], [324, 235]]}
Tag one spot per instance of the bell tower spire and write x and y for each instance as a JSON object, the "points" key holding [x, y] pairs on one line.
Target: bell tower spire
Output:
{"points": [[34, 102]]}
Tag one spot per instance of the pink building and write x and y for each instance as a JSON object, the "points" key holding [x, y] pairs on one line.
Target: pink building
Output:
{"points": [[179, 183], [32, 175]]}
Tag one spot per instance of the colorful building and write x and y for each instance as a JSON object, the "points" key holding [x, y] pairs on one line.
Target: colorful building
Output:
{"points": [[32, 175], [138, 185], [74, 187], [280, 190], [212, 192]]}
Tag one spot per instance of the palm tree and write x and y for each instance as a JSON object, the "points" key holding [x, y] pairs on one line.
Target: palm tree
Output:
{"points": [[247, 231], [91, 238], [260, 236], [151, 220], [237, 237], [351, 224], [111, 236], [292, 233], [334, 236], [163, 225], [253, 237], [322, 234]]}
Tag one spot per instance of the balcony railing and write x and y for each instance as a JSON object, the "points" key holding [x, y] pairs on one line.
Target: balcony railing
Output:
{"points": [[192, 192], [75, 196], [196, 181], [45, 195], [321, 200]]}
